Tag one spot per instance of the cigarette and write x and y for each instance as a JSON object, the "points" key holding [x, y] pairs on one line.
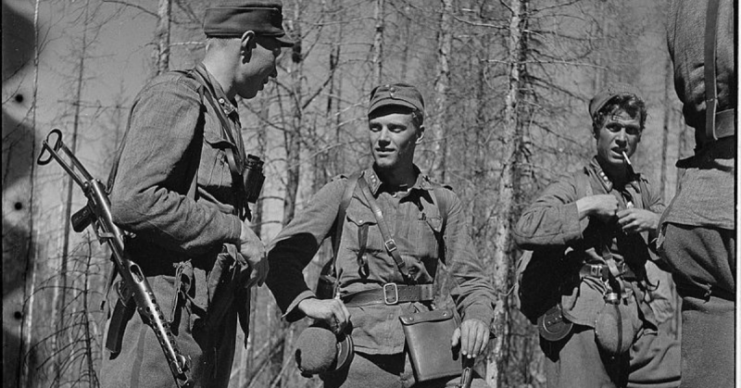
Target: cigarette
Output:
{"points": [[627, 160]]}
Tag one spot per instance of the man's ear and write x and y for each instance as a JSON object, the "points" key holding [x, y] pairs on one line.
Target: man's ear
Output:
{"points": [[420, 134], [246, 44]]}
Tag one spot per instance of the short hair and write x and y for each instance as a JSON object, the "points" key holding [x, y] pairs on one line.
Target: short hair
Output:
{"points": [[217, 42], [629, 103]]}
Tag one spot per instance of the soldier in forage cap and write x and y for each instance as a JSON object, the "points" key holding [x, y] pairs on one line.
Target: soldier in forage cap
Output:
{"points": [[609, 317], [379, 279], [184, 208]]}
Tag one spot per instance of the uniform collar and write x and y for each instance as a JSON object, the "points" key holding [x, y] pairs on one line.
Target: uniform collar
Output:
{"points": [[229, 106], [605, 180], [374, 181]]}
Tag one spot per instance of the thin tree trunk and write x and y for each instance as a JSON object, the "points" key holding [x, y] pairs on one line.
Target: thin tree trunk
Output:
{"points": [[292, 135], [164, 11], [24, 375], [503, 223], [60, 292], [378, 43], [668, 88], [442, 82]]}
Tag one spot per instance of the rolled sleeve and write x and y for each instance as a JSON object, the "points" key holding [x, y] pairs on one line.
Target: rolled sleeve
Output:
{"points": [[295, 246]]}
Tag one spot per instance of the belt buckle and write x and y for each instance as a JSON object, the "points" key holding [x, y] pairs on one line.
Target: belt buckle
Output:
{"points": [[386, 293]]}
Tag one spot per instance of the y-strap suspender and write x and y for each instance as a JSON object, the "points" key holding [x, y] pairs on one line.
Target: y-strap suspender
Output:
{"points": [[711, 91], [388, 240]]}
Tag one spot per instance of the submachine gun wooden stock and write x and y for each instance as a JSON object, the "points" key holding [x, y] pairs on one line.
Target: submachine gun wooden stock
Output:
{"points": [[98, 213]]}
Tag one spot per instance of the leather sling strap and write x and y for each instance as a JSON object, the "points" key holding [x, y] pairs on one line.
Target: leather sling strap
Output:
{"points": [[711, 91], [234, 161], [388, 240]]}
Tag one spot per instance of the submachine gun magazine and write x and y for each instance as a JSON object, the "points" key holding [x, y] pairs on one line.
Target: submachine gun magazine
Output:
{"points": [[98, 213]]}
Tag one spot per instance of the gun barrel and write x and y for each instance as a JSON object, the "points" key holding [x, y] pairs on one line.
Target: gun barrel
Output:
{"points": [[98, 212]]}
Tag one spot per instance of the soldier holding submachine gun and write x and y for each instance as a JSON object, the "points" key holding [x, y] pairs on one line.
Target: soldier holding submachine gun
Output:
{"points": [[185, 251]]}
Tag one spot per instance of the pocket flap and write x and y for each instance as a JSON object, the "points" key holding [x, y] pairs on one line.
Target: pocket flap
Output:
{"points": [[361, 219], [427, 316], [216, 140]]}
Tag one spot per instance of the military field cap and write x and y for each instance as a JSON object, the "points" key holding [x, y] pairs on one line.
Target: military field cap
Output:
{"points": [[610, 91], [399, 94], [231, 20], [319, 351]]}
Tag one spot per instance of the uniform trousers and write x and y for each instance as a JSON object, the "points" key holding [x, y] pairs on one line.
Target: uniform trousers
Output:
{"points": [[142, 364], [577, 361], [708, 330], [387, 371]]}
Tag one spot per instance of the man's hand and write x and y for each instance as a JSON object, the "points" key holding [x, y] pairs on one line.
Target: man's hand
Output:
{"points": [[331, 311], [634, 220], [473, 336], [602, 206], [253, 250]]}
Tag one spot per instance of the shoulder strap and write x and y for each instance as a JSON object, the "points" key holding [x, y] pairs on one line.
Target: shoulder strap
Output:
{"points": [[711, 98], [340, 221], [388, 240], [442, 206], [235, 162]]}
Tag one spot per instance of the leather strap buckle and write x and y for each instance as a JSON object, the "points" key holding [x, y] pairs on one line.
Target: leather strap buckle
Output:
{"points": [[595, 270], [390, 245], [388, 297]]}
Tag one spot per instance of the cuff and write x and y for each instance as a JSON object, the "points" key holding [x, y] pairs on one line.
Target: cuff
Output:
{"points": [[235, 231], [292, 313], [479, 311]]}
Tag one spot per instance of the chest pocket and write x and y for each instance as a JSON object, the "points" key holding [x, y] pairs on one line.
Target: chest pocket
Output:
{"points": [[214, 167], [362, 232]]}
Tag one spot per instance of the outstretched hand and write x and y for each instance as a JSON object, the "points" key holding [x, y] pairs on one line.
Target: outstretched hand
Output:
{"points": [[331, 311], [253, 250], [472, 336]]}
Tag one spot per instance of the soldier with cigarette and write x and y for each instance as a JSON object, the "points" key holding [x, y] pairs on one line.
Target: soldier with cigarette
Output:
{"points": [[613, 323]]}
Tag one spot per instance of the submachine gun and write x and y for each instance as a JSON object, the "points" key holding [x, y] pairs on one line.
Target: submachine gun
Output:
{"points": [[98, 213]]}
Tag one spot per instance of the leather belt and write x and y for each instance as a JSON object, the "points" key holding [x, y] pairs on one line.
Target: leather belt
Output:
{"points": [[603, 271], [391, 294]]}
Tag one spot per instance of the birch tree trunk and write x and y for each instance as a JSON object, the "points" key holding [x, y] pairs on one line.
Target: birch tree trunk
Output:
{"points": [[506, 203], [378, 43], [442, 82], [292, 132], [24, 377], [164, 11]]}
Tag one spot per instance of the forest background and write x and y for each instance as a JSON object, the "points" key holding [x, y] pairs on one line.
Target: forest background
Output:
{"points": [[506, 85]]}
